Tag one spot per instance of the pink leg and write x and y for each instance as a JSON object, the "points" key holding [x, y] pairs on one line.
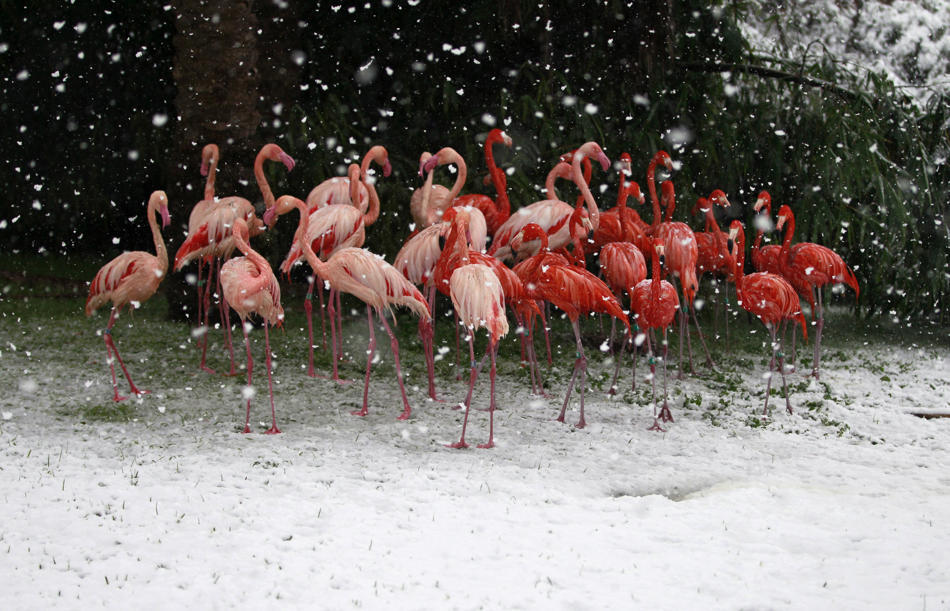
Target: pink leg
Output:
{"points": [[458, 349], [250, 369], [619, 356], [270, 384], [394, 344], [427, 335], [580, 367], [339, 326], [816, 363], [702, 340], [665, 414], [492, 349], [547, 337], [370, 350], [308, 310], [107, 337], [333, 339], [226, 317], [651, 359], [206, 320], [111, 344], [471, 385]]}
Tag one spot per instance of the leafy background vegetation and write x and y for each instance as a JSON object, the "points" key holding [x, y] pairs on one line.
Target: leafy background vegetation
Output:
{"points": [[89, 99]]}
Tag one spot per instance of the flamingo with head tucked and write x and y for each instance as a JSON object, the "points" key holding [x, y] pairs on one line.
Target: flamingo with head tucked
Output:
{"points": [[128, 280], [771, 299]]}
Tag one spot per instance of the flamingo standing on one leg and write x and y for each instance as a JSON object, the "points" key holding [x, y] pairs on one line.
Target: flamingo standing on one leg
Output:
{"points": [[250, 287], [214, 237], [376, 283], [655, 303], [623, 266], [130, 279], [809, 267], [771, 299]]}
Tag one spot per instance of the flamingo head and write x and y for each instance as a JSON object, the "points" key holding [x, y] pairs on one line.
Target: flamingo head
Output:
{"points": [[659, 247], [719, 198], [423, 159], [633, 190], [662, 158], [702, 205], [497, 136], [428, 165], [764, 201], [625, 164], [272, 152], [734, 230], [159, 201], [784, 215], [209, 155], [524, 241]]}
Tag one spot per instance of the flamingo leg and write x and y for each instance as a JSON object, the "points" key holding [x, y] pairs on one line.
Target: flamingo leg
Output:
{"points": [[665, 414], [270, 383], [427, 335], [107, 337], [308, 309], [111, 344], [768, 384], [339, 325], [702, 339], [545, 314], [492, 350], [333, 339], [204, 320], [226, 317], [250, 369], [468, 398], [580, 367], [619, 357], [781, 365], [458, 349], [394, 344], [652, 360], [370, 350], [815, 370]]}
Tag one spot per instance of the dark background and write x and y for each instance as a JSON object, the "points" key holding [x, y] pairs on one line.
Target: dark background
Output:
{"points": [[105, 102]]}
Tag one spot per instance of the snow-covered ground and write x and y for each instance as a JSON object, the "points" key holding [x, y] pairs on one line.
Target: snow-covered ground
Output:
{"points": [[162, 503]]}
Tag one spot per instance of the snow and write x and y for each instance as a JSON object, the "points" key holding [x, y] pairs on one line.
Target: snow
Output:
{"points": [[843, 504], [906, 40]]}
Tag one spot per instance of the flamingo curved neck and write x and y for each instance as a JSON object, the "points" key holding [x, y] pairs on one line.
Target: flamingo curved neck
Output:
{"points": [[789, 234], [460, 178], [578, 175], [160, 250], [651, 185], [212, 172]]}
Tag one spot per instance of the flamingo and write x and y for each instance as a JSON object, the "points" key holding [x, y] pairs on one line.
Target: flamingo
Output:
{"points": [[655, 303], [479, 300], [496, 211], [771, 299], [373, 281], [329, 228], [809, 267], [209, 168], [622, 266], [337, 190], [764, 258], [620, 224], [714, 256], [250, 287], [551, 214], [430, 201], [214, 237], [128, 280], [682, 252]]}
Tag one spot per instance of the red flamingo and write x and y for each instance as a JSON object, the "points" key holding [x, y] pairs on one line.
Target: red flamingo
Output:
{"points": [[714, 256], [214, 237], [250, 287], [337, 190], [809, 267], [654, 303], [373, 281], [771, 299], [765, 258], [129, 280], [682, 253], [553, 215], [622, 266], [575, 291], [496, 211], [479, 300], [620, 223], [329, 228]]}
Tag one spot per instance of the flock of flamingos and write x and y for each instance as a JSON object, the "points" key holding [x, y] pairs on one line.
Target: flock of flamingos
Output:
{"points": [[473, 249]]}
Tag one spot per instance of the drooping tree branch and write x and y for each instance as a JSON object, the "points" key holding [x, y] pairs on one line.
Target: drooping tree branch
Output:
{"points": [[774, 74]]}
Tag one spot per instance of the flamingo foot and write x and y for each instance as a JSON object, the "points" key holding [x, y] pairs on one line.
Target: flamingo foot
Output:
{"points": [[788, 408], [665, 414], [273, 430], [458, 406], [580, 424], [560, 419], [487, 446], [117, 397], [656, 426], [230, 374], [247, 429], [360, 412], [458, 445], [404, 415]]}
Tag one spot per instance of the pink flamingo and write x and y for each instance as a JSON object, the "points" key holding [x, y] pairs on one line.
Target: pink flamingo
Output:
{"points": [[373, 281], [655, 303], [329, 229], [130, 279], [213, 238], [809, 268], [209, 169], [478, 298], [338, 190], [250, 287], [552, 215], [478, 226], [771, 299], [430, 201]]}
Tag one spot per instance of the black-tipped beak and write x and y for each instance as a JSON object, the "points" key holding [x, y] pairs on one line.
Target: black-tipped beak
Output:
{"points": [[662, 260], [441, 242]]}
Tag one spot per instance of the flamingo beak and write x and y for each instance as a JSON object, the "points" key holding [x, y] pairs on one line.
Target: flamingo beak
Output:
{"points": [[387, 168], [780, 223], [287, 160], [270, 216], [166, 218]]}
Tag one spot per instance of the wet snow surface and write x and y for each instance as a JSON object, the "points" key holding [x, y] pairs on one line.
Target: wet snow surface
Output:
{"points": [[843, 504]]}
